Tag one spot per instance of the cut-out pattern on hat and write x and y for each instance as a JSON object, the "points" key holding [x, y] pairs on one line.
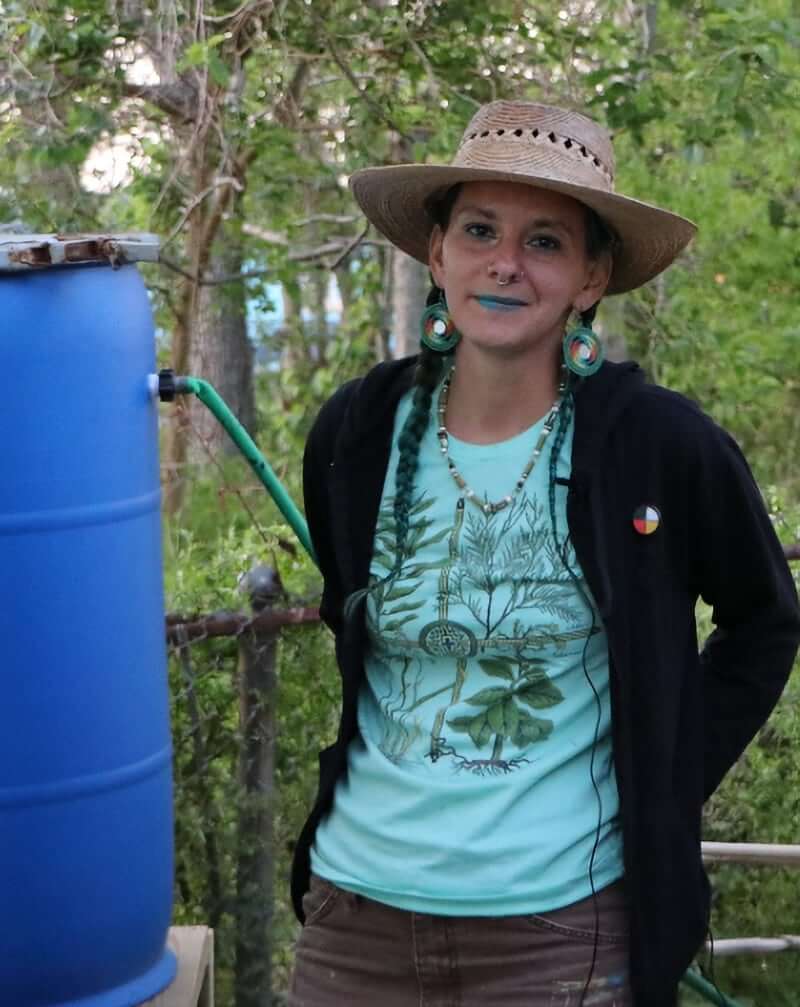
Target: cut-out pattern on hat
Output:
{"points": [[552, 138]]}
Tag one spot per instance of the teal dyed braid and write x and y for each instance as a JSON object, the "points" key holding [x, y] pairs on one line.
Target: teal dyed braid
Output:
{"points": [[429, 370], [564, 417]]}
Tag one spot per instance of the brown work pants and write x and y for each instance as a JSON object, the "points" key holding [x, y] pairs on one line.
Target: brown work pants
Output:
{"points": [[354, 952]]}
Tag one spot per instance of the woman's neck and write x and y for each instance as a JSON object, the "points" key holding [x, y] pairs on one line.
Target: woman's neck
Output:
{"points": [[493, 399]]}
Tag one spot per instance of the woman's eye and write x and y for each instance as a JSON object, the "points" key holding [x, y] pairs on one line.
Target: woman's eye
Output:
{"points": [[479, 230], [545, 242]]}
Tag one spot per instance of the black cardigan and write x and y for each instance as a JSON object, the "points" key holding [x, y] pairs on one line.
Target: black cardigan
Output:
{"points": [[679, 719]]}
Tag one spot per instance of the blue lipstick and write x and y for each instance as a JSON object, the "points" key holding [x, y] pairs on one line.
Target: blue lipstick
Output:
{"points": [[500, 303]]}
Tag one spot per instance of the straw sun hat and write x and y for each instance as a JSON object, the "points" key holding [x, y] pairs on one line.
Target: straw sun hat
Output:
{"points": [[539, 145]]}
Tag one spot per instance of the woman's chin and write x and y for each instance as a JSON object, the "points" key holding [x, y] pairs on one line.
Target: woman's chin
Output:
{"points": [[508, 343]]}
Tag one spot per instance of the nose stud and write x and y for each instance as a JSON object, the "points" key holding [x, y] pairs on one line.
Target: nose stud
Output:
{"points": [[502, 279]]}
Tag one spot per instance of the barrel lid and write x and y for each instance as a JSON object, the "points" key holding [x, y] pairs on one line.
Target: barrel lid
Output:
{"points": [[23, 252]]}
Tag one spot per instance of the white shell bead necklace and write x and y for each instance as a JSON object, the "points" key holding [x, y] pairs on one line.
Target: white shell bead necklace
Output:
{"points": [[444, 446]]}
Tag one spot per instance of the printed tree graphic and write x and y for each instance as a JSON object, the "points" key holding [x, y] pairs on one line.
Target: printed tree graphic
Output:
{"points": [[515, 551], [503, 714], [395, 604]]}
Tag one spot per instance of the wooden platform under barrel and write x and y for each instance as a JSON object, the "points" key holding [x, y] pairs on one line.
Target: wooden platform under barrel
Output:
{"points": [[193, 986]]}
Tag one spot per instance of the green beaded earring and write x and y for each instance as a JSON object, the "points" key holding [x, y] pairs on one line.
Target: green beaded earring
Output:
{"points": [[438, 331], [583, 351]]}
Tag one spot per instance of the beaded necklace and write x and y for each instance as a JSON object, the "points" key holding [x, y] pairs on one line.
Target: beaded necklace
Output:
{"points": [[444, 446]]}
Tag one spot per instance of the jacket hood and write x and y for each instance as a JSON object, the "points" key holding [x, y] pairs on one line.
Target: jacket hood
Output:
{"points": [[371, 408], [600, 402]]}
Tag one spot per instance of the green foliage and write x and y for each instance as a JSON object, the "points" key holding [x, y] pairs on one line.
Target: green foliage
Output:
{"points": [[704, 101], [203, 573]]}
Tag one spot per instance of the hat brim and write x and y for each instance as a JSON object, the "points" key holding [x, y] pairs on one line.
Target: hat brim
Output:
{"points": [[396, 199]]}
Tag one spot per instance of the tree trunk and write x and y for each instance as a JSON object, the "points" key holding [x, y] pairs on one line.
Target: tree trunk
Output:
{"points": [[649, 26], [611, 327], [317, 348], [289, 334], [344, 284], [221, 353], [409, 289], [409, 283]]}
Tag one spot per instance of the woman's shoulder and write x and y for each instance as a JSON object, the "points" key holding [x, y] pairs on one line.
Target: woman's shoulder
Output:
{"points": [[649, 416], [681, 425], [621, 401], [364, 399], [666, 406], [622, 394]]}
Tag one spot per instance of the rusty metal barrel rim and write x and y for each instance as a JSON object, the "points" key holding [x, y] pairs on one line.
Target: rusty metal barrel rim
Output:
{"points": [[29, 252]]}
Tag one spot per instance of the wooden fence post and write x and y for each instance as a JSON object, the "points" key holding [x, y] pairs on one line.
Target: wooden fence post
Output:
{"points": [[254, 895]]}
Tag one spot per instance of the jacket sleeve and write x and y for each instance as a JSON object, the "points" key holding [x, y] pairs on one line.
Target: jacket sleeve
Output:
{"points": [[318, 465], [745, 578]]}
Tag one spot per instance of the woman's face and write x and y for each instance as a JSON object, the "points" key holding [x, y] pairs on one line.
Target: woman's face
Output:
{"points": [[513, 265]]}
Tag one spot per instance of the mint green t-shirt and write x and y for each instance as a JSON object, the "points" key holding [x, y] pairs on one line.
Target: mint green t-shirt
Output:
{"points": [[471, 792]]}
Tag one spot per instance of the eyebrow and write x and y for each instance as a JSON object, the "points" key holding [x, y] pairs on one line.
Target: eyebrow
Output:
{"points": [[551, 222]]}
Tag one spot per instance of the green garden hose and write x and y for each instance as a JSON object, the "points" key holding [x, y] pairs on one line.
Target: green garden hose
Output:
{"points": [[707, 990], [169, 385]]}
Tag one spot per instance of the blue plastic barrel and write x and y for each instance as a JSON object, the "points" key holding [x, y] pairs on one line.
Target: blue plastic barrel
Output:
{"points": [[86, 859]]}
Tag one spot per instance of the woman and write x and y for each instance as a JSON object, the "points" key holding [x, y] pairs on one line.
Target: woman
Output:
{"points": [[512, 539]]}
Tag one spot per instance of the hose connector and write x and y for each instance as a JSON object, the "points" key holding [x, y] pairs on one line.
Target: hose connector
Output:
{"points": [[169, 385]]}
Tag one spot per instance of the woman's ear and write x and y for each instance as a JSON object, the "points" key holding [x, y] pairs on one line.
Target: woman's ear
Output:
{"points": [[435, 261], [596, 282]]}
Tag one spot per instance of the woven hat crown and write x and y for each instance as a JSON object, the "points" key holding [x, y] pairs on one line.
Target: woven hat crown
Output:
{"points": [[527, 138]]}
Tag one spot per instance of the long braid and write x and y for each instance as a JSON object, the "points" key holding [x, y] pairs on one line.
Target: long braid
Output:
{"points": [[427, 374], [564, 417]]}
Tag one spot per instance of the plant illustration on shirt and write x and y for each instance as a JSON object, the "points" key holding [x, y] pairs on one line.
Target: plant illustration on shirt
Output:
{"points": [[513, 549], [501, 717], [497, 565], [397, 701], [394, 601]]}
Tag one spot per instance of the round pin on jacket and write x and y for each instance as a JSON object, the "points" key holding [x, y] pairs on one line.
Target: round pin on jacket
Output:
{"points": [[646, 519]]}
